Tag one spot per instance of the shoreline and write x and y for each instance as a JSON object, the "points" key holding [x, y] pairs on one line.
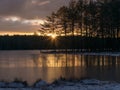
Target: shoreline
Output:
{"points": [[62, 84], [78, 52]]}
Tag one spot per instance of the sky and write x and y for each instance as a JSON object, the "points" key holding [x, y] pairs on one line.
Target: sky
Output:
{"points": [[25, 16]]}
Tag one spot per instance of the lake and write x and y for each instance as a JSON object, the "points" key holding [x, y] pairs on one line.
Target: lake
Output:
{"points": [[33, 65]]}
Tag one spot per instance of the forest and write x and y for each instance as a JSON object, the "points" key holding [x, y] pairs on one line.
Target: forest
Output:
{"points": [[88, 18], [79, 44]]}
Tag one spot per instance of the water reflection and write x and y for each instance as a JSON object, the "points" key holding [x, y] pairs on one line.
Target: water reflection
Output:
{"points": [[33, 65], [73, 60]]}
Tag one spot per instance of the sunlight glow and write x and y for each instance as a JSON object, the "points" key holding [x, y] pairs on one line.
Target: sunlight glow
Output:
{"points": [[53, 36], [15, 33]]}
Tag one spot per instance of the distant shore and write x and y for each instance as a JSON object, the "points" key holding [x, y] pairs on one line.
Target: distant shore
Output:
{"points": [[78, 43], [79, 52]]}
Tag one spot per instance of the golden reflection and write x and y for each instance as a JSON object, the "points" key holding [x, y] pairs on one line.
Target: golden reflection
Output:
{"points": [[57, 60], [60, 60]]}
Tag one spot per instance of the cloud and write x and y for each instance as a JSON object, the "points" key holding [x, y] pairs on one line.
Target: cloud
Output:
{"points": [[30, 8], [44, 3], [40, 3], [26, 15], [11, 7], [14, 24], [12, 19]]}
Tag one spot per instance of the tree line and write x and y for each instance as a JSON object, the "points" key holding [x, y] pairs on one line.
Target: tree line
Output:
{"points": [[89, 18], [94, 44]]}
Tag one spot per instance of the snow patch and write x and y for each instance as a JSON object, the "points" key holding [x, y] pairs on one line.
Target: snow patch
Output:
{"points": [[16, 85], [87, 84], [103, 53], [91, 82], [40, 83], [3, 84]]}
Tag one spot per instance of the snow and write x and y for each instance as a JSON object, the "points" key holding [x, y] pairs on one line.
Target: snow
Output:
{"points": [[103, 53], [88, 84], [12, 85], [91, 82], [83, 53], [16, 85], [40, 83], [2, 84]]}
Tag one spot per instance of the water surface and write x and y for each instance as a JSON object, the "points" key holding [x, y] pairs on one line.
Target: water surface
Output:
{"points": [[33, 65]]}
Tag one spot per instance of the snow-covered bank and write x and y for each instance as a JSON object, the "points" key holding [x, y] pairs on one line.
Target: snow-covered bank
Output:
{"points": [[82, 53], [103, 53], [88, 84], [91, 84]]}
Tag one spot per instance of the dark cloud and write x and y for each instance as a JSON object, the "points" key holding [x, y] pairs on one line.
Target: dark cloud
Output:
{"points": [[26, 9], [29, 8], [11, 7]]}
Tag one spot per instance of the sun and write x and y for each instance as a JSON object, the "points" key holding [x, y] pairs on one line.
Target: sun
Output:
{"points": [[53, 36]]}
